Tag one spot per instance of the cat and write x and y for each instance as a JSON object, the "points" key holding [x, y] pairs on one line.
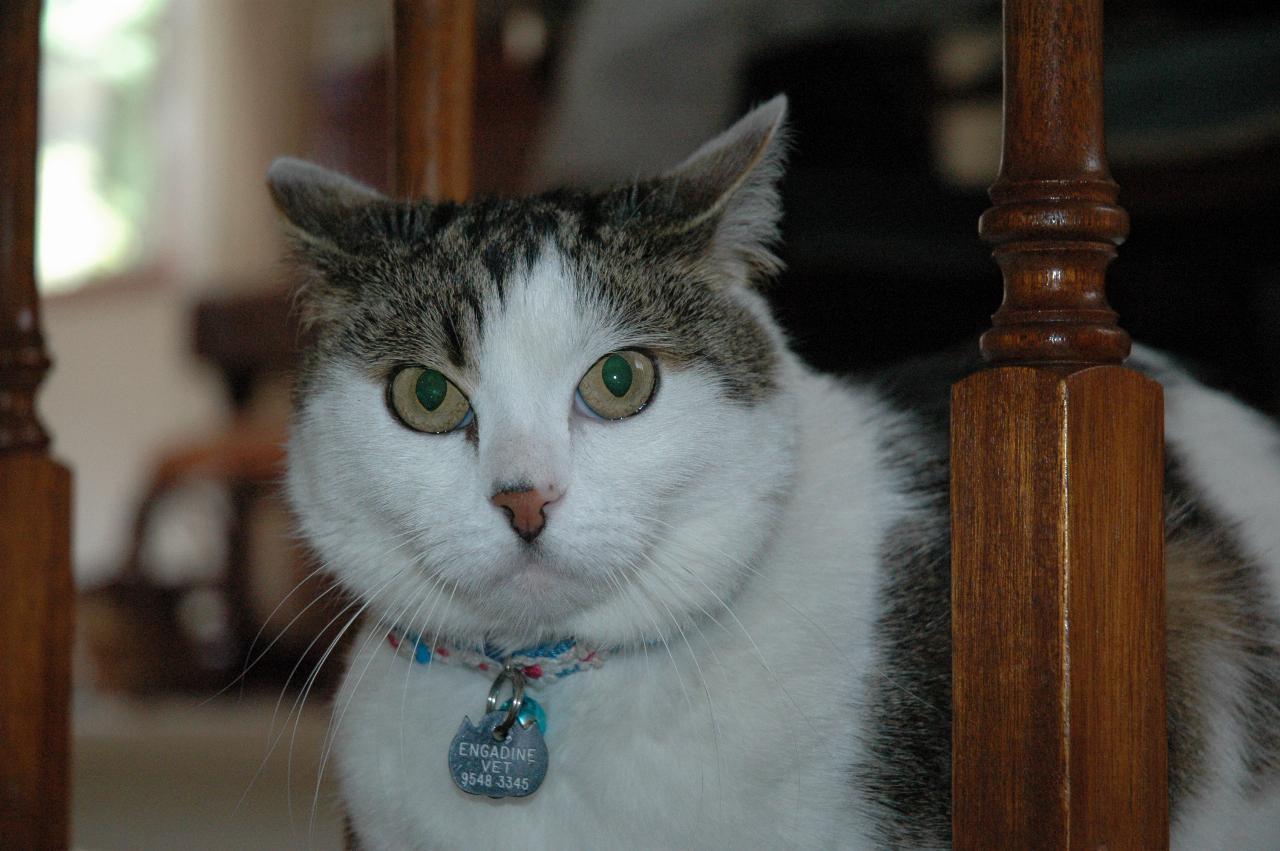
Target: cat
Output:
{"points": [[565, 432]]}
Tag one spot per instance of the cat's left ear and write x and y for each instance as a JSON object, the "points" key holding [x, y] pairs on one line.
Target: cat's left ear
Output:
{"points": [[320, 204], [728, 189]]}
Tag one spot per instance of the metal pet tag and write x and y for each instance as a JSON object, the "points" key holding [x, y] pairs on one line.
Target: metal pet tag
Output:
{"points": [[482, 765], [499, 757]]}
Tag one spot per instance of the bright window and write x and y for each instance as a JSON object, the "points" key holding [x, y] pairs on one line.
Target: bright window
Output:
{"points": [[98, 152]]}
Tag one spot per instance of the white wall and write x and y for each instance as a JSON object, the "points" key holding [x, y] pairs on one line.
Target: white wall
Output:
{"points": [[123, 387]]}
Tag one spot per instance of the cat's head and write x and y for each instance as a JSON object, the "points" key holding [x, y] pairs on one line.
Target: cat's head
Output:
{"points": [[560, 415]]}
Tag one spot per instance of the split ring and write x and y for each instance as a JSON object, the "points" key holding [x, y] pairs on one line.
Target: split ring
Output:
{"points": [[517, 700]]}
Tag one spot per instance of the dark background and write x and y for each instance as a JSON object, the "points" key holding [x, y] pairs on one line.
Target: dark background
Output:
{"points": [[884, 258]]}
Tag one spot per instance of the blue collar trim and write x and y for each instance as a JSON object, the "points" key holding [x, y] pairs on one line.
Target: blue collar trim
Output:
{"points": [[540, 664]]}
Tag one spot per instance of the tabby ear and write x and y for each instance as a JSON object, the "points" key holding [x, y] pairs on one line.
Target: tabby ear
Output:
{"points": [[730, 184], [331, 223], [318, 203]]}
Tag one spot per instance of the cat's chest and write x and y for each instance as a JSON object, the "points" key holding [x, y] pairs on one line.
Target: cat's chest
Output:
{"points": [[653, 750]]}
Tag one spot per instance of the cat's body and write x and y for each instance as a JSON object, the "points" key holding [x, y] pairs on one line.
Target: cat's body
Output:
{"points": [[760, 550]]}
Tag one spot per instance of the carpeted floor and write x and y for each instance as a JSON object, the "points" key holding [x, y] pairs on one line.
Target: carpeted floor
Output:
{"points": [[177, 775]]}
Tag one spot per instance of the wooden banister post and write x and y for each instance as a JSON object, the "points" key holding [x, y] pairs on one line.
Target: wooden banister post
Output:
{"points": [[35, 492], [434, 98], [1057, 527]]}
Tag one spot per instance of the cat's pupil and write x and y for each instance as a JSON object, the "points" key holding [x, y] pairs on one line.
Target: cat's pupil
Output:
{"points": [[431, 389], [616, 375]]}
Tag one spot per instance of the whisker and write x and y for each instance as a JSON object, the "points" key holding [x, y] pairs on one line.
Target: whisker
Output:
{"points": [[244, 672], [715, 724], [335, 717], [300, 703], [408, 533], [434, 597], [808, 618], [274, 739]]}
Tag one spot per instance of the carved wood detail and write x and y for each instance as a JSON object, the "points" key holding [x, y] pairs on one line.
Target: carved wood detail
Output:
{"points": [[1054, 222], [35, 492], [1057, 475], [22, 359]]}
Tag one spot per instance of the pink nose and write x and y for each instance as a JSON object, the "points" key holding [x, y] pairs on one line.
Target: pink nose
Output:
{"points": [[524, 508]]}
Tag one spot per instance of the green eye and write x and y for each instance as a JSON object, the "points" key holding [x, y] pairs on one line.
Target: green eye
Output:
{"points": [[618, 385], [431, 389], [615, 374], [425, 400]]}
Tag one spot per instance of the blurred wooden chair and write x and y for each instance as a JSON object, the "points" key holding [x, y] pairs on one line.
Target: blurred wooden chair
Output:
{"points": [[134, 627]]}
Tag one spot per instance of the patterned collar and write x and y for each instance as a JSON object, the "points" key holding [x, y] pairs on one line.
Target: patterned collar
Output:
{"points": [[541, 664]]}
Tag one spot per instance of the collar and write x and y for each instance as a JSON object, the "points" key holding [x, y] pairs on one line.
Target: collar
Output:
{"points": [[540, 664]]}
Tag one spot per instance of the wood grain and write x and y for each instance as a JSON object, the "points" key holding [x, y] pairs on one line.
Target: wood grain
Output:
{"points": [[35, 492], [1057, 524], [1115, 622], [1058, 610], [35, 646], [434, 72]]}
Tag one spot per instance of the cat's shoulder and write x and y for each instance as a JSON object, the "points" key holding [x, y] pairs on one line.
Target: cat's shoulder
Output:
{"points": [[910, 404], [921, 385]]}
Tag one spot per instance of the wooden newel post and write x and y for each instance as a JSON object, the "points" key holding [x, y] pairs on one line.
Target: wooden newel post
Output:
{"points": [[1057, 456], [434, 68], [35, 492]]}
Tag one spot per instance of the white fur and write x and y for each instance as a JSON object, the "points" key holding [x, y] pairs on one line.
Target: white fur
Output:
{"points": [[743, 539], [1232, 455]]}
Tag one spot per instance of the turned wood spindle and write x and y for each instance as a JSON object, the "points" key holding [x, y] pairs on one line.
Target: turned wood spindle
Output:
{"points": [[1057, 529], [35, 492], [1054, 223]]}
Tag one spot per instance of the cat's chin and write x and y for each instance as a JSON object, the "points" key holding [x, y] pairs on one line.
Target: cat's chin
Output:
{"points": [[537, 589], [538, 579]]}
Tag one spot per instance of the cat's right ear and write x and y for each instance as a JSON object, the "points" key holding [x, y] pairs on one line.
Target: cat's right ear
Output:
{"points": [[329, 222], [322, 206]]}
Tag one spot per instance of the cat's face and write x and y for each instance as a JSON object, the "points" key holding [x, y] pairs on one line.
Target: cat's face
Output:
{"points": [[559, 416]]}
